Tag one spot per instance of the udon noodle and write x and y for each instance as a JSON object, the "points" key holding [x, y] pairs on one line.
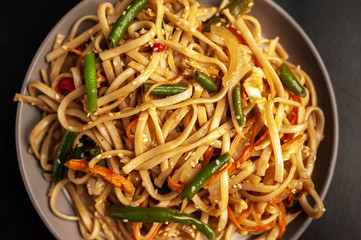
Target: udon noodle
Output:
{"points": [[159, 144]]}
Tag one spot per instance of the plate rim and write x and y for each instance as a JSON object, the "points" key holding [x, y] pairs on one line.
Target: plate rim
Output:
{"points": [[272, 4]]}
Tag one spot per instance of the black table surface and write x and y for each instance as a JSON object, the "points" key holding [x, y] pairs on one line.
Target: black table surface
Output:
{"points": [[332, 25]]}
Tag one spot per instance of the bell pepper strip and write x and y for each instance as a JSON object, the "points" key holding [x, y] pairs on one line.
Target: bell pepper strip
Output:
{"points": [[108, 175], [90, 76], [159, 214], [123, 22], [239, 36], [62, 154], [65, 84], [238, 107], [203, 176], [165, 89], [290, 81], [206, 81], [237, 8], [158, 47]]}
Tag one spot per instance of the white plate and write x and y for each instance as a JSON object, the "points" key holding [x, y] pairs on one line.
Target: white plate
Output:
{"points": [[274, 22]]}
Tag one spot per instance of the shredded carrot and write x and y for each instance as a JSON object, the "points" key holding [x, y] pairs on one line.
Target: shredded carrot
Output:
{"points": [[136, 231], [287, 144], [176, 80], [229, 164], [100, 73], [261, 139], [238, 137], [282, 220], [289, 202], [244, 95], [248, 151], [249, 229], [177, 186], [113, 178], [256, 218], [199, 28], [208, 155], [270, 83], [137, 226], [76, 51], [130, 126], [155, 231], [184, 204]]}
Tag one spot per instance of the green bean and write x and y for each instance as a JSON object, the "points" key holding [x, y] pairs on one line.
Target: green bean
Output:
{"points": [[159, 214], [290, 81], [62, 154], [206, 81], [237, 8], [165, 89], [207, 172], [96, 151], [123, 22], [90, 76], [238, 106]]}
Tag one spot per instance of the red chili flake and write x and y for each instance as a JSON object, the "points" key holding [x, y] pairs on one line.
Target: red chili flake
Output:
{"points": [[158, 47], [65, 84], [239, 36]]}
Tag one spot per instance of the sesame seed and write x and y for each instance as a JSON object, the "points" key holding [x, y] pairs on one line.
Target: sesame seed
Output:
{"points": [[217, 162], [193, 188]]}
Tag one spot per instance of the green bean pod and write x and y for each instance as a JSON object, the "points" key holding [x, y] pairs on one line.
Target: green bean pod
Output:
{"points": [[123, 22], [206, 81], [62, 154], [90, 76], [290, 81], [203, 176], [238, 106], [237, 8], [165, 89], [160, 215], [96, 151]]}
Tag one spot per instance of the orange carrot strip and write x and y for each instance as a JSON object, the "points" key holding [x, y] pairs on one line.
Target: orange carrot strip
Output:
{"points": [[249, 229], [229, 164], [208, 155], [248, 151], [261, 139], [287, 144], [76, 51], [136, 231], [282, 221], [113, 178], [238, 137], [270, 83], [130, 126], [177, 186]]}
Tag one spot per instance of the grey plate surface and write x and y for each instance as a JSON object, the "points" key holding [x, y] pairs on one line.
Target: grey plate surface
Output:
{"points": [[274, 21]]}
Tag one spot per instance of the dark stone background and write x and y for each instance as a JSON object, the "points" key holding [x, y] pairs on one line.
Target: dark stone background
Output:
{"points": [[332, 25]]}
